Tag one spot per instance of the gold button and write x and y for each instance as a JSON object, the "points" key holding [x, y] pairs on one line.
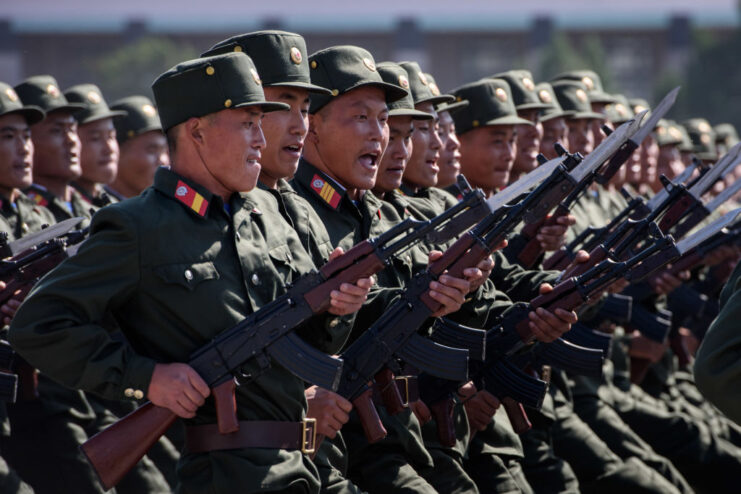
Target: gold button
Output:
{"points": [[475, 123], [24, 227], [255, 279], [333, 323], [237, 48], [313, 64], [210, 70], [228, 103], [138, 394], [188, 274], [238, 237], [130, 133], [129, 392], [335, 92]]}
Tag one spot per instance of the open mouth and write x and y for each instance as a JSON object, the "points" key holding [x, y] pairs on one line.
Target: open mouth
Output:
{"points": [[294, 148], [369, 160]]}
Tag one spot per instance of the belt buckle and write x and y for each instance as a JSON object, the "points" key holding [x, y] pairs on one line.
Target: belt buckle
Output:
{"points": [[405, 398], [308, 436]]}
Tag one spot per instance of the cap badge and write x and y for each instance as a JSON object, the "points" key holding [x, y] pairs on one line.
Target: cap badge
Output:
{"points": [[705, 138], [640, 108], [501, 95], [703, 127], [94, 97], [620, 108], [435, 90], [675, 133], [544, 96], [238, 48], [256, 76], [528, 83], [10, 93], [52, 90], [403, 81], [369, 63], [587, 81], [149, 110], [581, 95], [423, 79], [296, 56]]}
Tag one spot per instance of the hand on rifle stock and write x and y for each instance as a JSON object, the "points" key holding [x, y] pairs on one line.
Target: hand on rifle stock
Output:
{"points": [[666, 282], [553, 237], [350, 297], [330, 410], [548, 326], [178, 388], [449, 291]]}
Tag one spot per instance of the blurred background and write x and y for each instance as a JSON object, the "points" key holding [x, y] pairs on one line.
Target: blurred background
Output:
{"points": [[641, 48]]}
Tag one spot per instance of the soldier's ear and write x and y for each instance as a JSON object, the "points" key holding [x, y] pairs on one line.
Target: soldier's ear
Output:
{"points": [[314, 120], [194, 129]]}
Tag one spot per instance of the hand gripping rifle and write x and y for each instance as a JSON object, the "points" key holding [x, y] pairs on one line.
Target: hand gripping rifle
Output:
{"points": [[264, 335]]}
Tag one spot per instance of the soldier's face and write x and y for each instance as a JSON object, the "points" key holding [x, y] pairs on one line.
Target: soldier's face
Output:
{"points": [[450, 155], [56, 147], [396, 156], [231, 148], [349, 136], [649, 159], [140, 158], [669, 162], [597, 134], [487, 154], [528, 142], [285, 132], [554, 131], [580, 135], [16, 154], [99, 153], [422, 168]]}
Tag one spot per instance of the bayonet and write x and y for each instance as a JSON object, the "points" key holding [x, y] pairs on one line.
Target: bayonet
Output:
{"points": [[56, 230]]}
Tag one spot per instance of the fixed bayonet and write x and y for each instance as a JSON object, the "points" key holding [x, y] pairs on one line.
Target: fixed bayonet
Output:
{"points": [[56, 230]]}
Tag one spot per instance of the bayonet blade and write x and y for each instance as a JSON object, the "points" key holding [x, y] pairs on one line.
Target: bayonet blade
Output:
{"points": [[687, 244], [656, 114], [728, 161], [727, 193], [608, 147], [48, 233], [525, 183]]}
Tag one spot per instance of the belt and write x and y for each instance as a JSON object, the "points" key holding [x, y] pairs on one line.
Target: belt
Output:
{"points": [[408, 390], [253, 434]]}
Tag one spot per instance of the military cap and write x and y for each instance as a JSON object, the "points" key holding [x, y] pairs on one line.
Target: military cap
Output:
{"points": [[208, 85], [523, 89], [573, 98], [686, 145], [393, 73], [668, 133], [43, 91], [638, 105], [279, 56], [420, 88], [591, 81], [620, 111], [141, 116], [703, 138], [452, 106], [548, 98], [344, 68], [490, 103], [95, 106], [11, 103], [726, 134]]}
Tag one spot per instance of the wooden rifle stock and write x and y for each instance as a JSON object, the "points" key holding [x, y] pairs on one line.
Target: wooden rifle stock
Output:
{"points": [[529, 254], [517, 416], [392, 399], [442, 411], [369, 419]]}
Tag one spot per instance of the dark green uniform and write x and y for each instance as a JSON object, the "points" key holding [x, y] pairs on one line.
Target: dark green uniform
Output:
{"points": [[77, 206]]}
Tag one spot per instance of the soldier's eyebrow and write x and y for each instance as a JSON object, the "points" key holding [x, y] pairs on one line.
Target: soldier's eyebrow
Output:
{"points": [[12, 128]]}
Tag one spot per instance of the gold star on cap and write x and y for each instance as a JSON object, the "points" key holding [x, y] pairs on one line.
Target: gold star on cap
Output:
{"points": [[10, 93], [640, 108], [620, 108], [52, 90], [675, 133], [93, 97], [296, 55], [256, 76], [238, 48], [587, 81], [403, 81], [581, 95], [369, 63], [703, 127], [423, 78], [434, 89], [501, 94], [544, 96], [149, 110], [528, 83]]}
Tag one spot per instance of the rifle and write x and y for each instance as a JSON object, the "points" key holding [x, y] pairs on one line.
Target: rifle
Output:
{"points": [[265, 334]]}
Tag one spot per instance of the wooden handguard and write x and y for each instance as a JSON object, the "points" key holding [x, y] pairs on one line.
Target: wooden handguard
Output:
{"points": [[113, 454], [442, 411], [319, 297], [369, 419], [597, 255], [392, 399], [517, 416], [558, 260], [531, 252], [675, 212]]}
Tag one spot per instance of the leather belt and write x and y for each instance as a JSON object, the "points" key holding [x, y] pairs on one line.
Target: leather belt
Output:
{"points": [[253, 434], [407, 386]]}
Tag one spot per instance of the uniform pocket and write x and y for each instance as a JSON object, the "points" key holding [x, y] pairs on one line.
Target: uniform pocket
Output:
{"points": [[188, 275]]}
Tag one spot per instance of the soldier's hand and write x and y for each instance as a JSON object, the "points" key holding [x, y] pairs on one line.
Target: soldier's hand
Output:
{"points": [[720, 254], [666, 282], [350, 297], [480, 406], [178, 388], [421, 411], [553, 237], [449, 291], [478, 275], [330, 410], [547, 326]]}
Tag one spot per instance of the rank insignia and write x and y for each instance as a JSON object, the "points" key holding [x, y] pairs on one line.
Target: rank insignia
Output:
{"points": [[188, 196], [325, 191], [38, 199]]}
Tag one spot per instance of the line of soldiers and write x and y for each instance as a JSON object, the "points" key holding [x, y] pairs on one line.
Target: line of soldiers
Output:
{"points": [[257, 164]]}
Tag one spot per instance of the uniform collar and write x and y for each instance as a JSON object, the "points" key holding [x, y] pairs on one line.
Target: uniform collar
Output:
{"points": [[193, 196], [323, 186]]}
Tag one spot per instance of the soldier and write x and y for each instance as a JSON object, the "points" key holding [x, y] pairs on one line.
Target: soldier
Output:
{"points": [[203, 248], [573, 98], [99, 147], [142, 145], [669, 139], [56, 149], [598, 98], [553, 121]]}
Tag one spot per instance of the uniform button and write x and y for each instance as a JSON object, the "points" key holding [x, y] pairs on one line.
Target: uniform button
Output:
{"points": [[237, 237], [129, 393], [138, 394], [24, 228], [188, 274], [333, 323], [409, 259], [255, 279]]}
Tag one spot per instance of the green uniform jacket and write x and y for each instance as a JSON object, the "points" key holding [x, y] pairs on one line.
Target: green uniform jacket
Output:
{"points": [[61, 210], [174, 271], [23, 216]]}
